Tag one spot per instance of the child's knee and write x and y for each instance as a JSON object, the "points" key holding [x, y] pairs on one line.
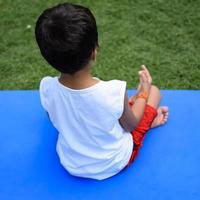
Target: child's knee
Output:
{"points": [[154, 97], [155, 91]]}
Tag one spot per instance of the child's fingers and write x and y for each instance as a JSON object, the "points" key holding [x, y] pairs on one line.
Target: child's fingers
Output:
{"points": [[143, 77], [140, 76], [143, 67], [146, 70], [144, 83], [148, 76], [147, 73]]}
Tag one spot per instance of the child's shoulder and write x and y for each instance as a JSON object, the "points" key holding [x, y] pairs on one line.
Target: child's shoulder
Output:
{"points": [[46, 84], [116, 84], [47, 81]]}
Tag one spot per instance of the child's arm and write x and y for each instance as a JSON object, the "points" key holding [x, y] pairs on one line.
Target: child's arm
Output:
{"points": [[130, 119], [131, 116]]}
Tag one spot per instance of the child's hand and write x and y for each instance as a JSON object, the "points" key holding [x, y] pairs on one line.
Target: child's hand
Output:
{"points": [[147, 73], [145, 80]]}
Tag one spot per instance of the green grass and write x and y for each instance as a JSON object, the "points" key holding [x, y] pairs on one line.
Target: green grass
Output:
{"points": [[164, 35]]}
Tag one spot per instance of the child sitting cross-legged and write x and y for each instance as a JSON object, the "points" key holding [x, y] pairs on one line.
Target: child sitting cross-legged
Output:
{"points": [[100, 130]]}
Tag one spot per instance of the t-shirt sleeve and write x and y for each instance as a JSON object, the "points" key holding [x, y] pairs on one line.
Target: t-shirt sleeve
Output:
{"points": [[118, 94], [44, 91]]}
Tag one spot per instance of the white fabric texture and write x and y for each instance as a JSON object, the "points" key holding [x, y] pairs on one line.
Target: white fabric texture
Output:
{"points": [[91, 142]]}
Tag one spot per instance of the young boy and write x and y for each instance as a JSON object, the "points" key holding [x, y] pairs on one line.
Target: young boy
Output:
{"points": [[100, 130]]}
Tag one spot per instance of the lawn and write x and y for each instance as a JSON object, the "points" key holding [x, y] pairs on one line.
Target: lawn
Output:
{"points": [[164, 35]]}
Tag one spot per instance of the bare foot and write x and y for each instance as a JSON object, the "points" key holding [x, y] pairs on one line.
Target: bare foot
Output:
{"points": [[161, 118]]}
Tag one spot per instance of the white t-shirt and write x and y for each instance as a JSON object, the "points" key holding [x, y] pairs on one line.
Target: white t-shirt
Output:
{"points": [[91, 141]]}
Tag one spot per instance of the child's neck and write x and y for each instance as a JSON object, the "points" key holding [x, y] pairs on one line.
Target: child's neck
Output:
{"points": [[80, 80]]}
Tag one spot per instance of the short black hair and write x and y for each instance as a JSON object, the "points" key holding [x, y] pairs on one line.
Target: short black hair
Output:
{"points": [[66, 35]]}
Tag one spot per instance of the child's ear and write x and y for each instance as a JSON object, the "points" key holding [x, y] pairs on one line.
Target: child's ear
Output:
{"points": [[94, 54]]}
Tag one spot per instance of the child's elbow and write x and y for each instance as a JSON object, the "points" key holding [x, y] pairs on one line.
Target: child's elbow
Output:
{"points": [[131, 126], [135, 123]]}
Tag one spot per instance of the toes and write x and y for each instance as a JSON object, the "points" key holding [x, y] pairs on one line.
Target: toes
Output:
{"points": [[162, 116], [165, 119], [166, 116], [165, 109]]}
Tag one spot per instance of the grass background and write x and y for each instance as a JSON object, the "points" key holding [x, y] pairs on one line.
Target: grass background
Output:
{"points": [[164, 35]]}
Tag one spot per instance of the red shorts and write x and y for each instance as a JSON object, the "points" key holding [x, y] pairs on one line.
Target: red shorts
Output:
{"points": [[139, 133]]}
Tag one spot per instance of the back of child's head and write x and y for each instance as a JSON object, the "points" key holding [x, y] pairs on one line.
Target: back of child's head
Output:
{"points": [[67, 35]]}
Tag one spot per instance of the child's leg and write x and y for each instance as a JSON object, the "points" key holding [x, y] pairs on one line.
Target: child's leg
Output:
{"points": [[150, 113], [162, 112], [154, 97]]}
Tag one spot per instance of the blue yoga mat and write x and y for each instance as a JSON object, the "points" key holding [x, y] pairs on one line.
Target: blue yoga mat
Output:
{"points": [[168, 166]]}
